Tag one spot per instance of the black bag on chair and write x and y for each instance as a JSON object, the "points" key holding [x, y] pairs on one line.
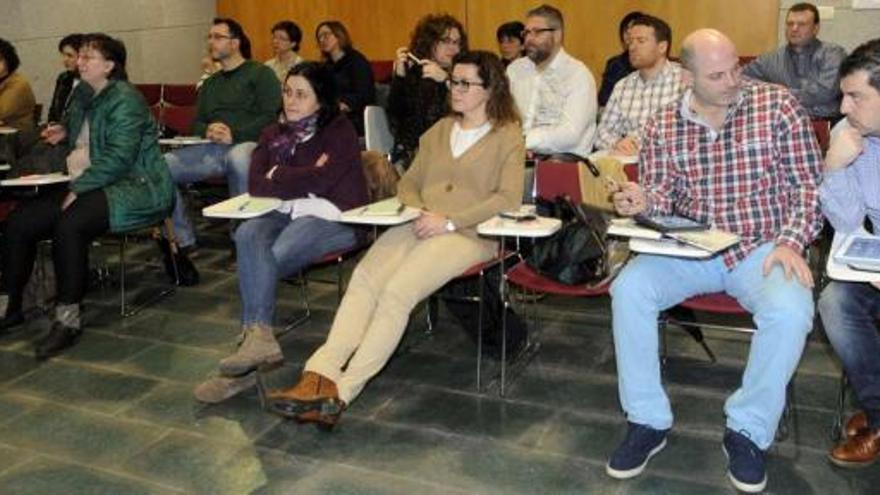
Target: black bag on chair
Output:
{"points": [[576, 254]]}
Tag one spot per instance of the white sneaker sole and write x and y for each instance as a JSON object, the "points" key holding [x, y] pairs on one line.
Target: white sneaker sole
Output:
{"points": [[632, 473], [742, 486]]}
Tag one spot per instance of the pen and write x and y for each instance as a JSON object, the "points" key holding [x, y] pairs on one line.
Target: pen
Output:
{"points": [[244, 205]]}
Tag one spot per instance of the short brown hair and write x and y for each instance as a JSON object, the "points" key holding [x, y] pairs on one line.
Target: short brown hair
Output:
{"points": [[805, 7], [501, 109]]}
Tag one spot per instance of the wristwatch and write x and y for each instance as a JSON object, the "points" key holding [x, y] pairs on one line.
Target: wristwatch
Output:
{"points": [[450, 227]]}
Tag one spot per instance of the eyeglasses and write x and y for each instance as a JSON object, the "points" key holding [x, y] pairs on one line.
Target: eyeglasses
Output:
{"points": [[218, 37], [535, 32], [462, 85], [451, 41]]}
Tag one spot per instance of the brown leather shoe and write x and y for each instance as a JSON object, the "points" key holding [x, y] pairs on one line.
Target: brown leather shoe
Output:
{"points": [[311, 387], [857, 451], [857, 422], [314, 399]]}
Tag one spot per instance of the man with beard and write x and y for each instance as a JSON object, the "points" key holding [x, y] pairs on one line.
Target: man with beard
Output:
{"points": [[656, 82], [555, 93], [233, 106], [738, 155]]}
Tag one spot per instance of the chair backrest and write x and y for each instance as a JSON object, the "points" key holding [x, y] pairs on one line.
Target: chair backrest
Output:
{"points": [[152, 93], [377, 132], [555, 178], [181, 95], [382, 70], [178, 118], [822, 130]]}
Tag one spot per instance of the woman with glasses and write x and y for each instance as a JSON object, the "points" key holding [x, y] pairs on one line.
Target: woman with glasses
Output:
{"points": [[118, 182], [469, 167], [354, 76], [286, 37], [310, 159], [418, 96]]}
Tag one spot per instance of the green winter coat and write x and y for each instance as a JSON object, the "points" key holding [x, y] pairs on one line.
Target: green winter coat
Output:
{"points": [[124, 155]]}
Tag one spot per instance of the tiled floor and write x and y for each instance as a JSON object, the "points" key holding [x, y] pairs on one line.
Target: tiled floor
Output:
{"points": [[116, 415]]}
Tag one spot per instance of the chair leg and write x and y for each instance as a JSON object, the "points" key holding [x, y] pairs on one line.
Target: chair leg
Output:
{"points": [[837, 425], [123, 311], [307, 313], [127, 309], [480, 335]]}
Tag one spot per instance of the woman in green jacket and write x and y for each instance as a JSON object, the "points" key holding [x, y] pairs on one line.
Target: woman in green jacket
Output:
{"points": [[119, 181]]}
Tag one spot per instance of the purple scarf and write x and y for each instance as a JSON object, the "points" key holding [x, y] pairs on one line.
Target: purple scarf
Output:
{"points": [[291, 134]]}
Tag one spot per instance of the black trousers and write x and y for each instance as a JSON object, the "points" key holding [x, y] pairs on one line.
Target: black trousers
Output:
{"points": [[71, 232]]}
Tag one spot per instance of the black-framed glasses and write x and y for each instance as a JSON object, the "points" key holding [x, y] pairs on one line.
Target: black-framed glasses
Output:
{"points": [[218, 36], [462, 85], [535, 32]]}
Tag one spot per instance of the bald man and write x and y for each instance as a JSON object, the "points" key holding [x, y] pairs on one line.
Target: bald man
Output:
{"points": [[739, 155]]}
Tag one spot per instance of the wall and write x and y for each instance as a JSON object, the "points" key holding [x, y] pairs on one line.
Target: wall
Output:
{"points": [[378, 27], [164, 38], [848, 28]]}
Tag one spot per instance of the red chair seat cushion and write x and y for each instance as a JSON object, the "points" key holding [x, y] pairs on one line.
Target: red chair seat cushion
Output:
{"points": [[522, 275]]}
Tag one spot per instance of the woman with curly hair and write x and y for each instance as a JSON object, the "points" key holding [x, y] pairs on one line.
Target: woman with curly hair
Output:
{"points": [[418, 95]]}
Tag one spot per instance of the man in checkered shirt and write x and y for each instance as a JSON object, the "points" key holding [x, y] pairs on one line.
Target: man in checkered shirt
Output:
{"points": [[739, 155], [636, 97]]}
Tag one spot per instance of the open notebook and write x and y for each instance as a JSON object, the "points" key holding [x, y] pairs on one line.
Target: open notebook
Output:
{"points": [[706, 242]]}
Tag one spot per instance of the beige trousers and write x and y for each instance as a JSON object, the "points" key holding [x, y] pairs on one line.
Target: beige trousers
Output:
{"points": [[397, 272]]}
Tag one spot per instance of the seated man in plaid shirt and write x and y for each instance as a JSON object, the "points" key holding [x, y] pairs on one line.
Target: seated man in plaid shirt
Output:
{"points": [[739, 155], [656, 83]]}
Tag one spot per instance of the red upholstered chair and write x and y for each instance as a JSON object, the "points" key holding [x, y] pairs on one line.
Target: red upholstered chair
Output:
{"points": [[179, 95], [152, 93], [822, 129], [552, 179], [382, 70], [179, 119]]}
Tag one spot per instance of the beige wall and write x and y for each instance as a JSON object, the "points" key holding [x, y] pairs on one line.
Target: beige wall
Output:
{"points": [[164, 38], [848, 28]]}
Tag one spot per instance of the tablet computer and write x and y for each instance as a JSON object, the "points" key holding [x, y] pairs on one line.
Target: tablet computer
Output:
{"points": [[670, 223], [860, 251]]}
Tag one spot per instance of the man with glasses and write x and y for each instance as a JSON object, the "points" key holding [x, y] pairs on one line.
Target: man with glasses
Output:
{"points": [[656, 82], [233, 106], [555, 93], [738, 155], [805, 65]]}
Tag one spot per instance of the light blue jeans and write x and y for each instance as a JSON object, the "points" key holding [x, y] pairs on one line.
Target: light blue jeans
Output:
{"points": [[202, 161], [274, 246], [782, 311]]}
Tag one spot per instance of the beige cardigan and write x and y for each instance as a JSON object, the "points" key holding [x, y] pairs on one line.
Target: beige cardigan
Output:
{"points": [[485, 180]]}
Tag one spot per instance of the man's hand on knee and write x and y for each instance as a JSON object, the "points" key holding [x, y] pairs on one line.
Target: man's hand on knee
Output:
{"points": [[792, 263]]}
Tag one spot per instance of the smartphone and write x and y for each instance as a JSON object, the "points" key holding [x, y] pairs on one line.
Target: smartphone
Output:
{"points": [[413, 58], [670, 223]]}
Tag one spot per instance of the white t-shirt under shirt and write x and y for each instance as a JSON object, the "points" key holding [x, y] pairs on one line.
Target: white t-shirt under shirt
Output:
{"points": [[460, 140]]}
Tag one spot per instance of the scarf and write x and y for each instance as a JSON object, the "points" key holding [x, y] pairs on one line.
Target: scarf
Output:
{"points": [[291, 134]]}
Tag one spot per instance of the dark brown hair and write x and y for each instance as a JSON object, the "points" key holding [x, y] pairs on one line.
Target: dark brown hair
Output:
{"points": [[501, 109], [111, 49], [430, 30]]}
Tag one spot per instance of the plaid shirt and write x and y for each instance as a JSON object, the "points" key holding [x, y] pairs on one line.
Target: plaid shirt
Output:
{"points": [[634, 100], [757, 176]]}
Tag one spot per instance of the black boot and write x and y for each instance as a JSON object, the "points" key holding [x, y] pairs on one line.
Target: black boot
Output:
{"points": [[64, 333]]}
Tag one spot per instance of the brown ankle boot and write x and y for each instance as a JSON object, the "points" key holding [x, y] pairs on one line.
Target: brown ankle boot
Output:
{"points": [[859, 450], [856, 423], [314, 399]]}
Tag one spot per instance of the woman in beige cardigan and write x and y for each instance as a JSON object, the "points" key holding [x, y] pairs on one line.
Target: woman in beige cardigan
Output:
{"points": [[469, 167]]}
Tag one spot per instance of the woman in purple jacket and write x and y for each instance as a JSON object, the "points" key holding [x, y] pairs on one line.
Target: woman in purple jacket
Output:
{"points": [[311, 160]]}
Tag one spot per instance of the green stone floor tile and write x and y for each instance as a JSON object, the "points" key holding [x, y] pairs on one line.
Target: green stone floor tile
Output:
{"points": [[77, 435]]}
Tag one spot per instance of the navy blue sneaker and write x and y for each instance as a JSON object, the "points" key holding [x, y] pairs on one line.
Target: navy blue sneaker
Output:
{"points": [[746, 468], [633, 454]]}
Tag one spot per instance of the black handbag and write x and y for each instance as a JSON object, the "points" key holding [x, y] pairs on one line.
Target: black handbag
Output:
{"points": [[576, 254]]}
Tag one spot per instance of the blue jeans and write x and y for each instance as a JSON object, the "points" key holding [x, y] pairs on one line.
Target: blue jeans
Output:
{"points": [[274, 246], [849, 312], [782, 311], [202, 161]]}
